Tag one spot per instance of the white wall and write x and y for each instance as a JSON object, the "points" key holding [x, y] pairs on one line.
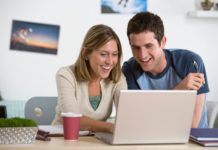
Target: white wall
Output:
{"points": [[26, 74]]}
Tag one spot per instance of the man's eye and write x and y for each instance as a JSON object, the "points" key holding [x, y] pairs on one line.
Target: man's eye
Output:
{"points": [[135, 48], [149, 46]]}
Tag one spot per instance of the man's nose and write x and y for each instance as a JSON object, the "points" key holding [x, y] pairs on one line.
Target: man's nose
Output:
{"points": [[143, 52]]}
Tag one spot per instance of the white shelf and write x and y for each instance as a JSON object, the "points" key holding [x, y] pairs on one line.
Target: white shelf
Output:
{"points": [[204, 14]]}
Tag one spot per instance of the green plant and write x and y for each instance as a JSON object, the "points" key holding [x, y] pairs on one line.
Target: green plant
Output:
{"points": [[17, 122], [207, 1], [207, 4]]}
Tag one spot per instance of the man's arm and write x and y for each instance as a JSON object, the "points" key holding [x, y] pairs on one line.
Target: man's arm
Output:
{"points": [[198, 110], [193, 81]]}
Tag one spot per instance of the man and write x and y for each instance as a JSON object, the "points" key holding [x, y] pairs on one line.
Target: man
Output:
{"points": [[153, 67]]}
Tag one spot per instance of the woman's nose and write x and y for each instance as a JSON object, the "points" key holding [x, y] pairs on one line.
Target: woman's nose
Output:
{"points": [[109, 59]]}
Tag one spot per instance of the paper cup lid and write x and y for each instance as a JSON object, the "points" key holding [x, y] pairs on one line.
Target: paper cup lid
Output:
{"points": [[71, 114]]}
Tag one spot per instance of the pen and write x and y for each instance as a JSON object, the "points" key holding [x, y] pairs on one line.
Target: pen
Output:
{"points": [[196, 68], [195, 65]]}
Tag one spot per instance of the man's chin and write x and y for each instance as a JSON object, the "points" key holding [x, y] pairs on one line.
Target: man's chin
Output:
{"points": [[146, 69]]}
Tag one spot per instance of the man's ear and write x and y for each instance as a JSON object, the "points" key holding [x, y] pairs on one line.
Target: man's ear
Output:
{"points": [[163, 42]]}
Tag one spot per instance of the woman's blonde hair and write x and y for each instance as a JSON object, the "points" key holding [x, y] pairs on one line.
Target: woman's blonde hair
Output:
{"points": [[96, 37]]}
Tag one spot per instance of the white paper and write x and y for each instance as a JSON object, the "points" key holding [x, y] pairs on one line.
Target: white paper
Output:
{"points": [[58, 129]]}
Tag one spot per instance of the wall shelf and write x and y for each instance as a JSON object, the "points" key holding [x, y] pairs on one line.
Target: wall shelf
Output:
{"points": [[203, 14]]}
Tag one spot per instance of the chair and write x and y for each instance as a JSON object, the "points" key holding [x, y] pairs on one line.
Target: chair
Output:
{"points": [[212, 113], [41, 109]]}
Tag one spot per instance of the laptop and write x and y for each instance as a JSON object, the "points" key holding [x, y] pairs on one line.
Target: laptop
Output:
{"points": [[152, 117]]}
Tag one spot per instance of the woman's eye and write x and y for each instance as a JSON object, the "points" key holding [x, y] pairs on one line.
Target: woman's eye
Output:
{"points": [[103, 54], [115, 54]]}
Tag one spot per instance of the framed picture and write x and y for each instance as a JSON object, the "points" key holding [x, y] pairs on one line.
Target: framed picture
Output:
{"points": [[123, 6], [34, 37]]}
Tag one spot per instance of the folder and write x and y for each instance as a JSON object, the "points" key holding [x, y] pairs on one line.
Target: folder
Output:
{"points": [[205, 136], [206, 143]]}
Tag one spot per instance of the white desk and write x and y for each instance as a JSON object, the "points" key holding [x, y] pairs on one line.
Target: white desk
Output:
{"points": [[91, 143]]}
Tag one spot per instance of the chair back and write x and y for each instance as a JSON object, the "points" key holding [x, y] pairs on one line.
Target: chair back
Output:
{"points": [[41, 109], [212, 113]]}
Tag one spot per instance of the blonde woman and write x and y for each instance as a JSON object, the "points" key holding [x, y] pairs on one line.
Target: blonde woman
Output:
{"points": [[92, 84]]}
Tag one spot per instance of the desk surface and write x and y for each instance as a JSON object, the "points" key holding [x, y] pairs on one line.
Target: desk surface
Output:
{"points": [[91, 143]]}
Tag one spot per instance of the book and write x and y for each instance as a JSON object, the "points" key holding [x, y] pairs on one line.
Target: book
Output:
{"points": [[204, 134], [57, 130], [206, 143]]}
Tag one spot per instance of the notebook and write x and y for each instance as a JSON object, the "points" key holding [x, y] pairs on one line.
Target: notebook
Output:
{"points": [[204, 134], [206, 143], [57, 130], [152, 117]]}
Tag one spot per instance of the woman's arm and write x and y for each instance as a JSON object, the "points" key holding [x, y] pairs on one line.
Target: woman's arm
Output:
{"points": [[87, 123]]}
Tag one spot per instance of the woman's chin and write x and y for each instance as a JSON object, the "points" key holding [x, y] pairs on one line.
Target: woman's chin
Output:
{"points": [[105, 75]]}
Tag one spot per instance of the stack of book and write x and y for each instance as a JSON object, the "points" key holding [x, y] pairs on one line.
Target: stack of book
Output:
{"points": [[205, 136]]}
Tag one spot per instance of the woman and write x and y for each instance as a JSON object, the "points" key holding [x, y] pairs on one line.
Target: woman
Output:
{"points": [[93, 83]]}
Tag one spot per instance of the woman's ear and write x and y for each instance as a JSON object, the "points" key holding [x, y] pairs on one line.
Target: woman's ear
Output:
{"points": [[84, 54]]}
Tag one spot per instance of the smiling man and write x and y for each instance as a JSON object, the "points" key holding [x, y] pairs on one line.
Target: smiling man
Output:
{"points": [[154, 67]]}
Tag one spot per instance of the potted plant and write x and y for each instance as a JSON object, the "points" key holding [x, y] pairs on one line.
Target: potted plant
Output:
{"points": [[17, 130], [207, 4]]}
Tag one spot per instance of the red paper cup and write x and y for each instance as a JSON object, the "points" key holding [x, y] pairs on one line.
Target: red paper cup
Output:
{"points": [[71, 125]]}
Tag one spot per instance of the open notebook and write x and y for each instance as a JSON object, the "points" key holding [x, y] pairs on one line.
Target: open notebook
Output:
{"points": [[57, 130], [152, 116]]}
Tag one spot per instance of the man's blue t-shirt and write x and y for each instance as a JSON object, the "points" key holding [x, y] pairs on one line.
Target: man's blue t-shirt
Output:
{"points": [[179, 64]]}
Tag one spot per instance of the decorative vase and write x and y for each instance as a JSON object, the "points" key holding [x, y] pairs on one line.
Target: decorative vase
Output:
{"points": [[206, 4], [17, 135]]}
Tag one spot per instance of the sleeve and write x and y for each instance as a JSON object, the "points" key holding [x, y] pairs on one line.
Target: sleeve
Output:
{"points": [[66, 82], [130, 76], [190, 63], [121, 85]]}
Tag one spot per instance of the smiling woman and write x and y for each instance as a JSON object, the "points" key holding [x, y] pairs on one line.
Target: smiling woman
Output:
{"points": [[93, 83]]}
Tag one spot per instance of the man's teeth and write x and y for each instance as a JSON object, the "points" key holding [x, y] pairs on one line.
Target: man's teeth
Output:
{"points": [[145, 60]]}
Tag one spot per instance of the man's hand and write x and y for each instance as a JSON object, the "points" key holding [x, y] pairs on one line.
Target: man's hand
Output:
{"points": [[193, 81]]}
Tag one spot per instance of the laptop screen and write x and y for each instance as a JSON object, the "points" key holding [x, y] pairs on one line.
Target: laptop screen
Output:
{"points": [[154, 116]]}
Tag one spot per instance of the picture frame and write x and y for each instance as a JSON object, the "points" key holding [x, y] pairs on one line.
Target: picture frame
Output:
{"points": [[123, 6], [34, 37]]}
